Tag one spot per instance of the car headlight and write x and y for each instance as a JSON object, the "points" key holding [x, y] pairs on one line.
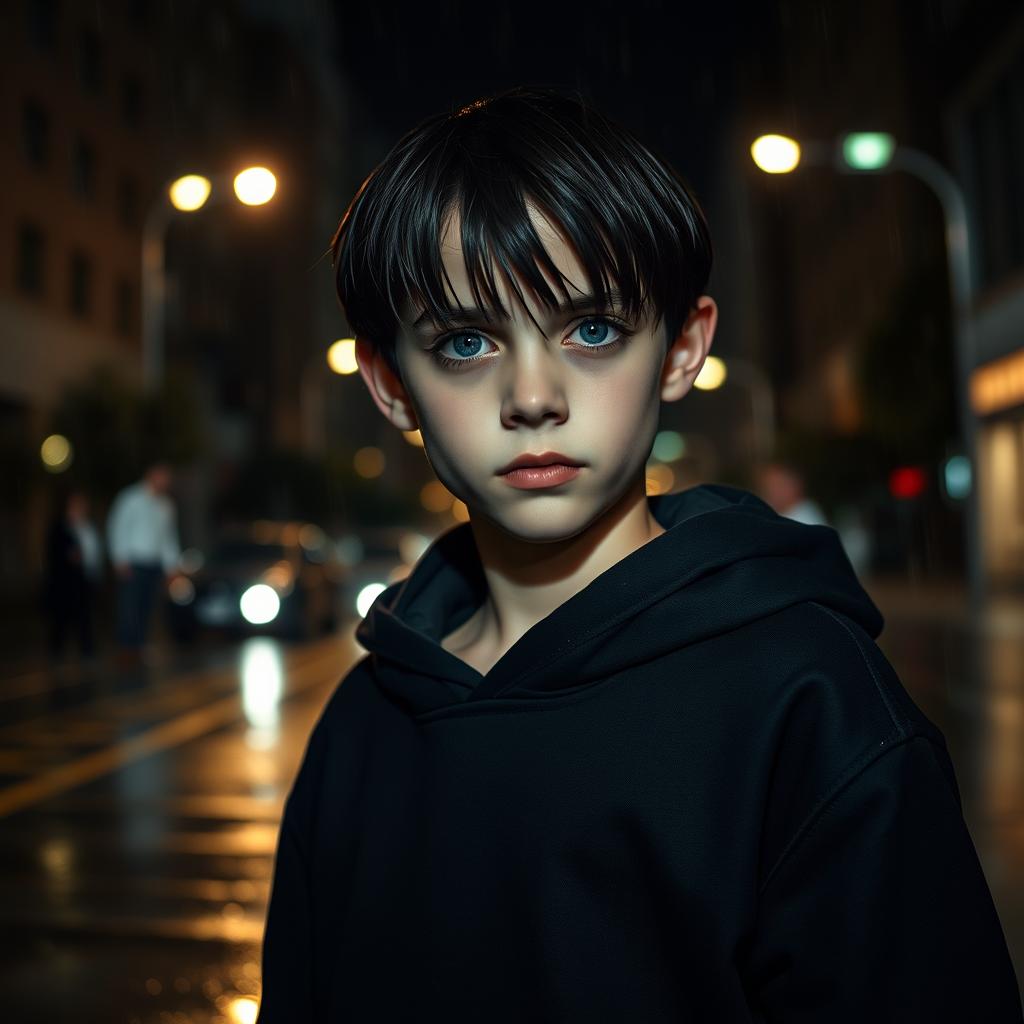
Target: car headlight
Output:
{"points": [[259, 604], [366, 596]]}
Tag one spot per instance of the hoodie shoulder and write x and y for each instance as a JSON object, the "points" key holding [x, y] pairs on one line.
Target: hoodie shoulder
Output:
{"points": [[906, 717], [834, 704]]}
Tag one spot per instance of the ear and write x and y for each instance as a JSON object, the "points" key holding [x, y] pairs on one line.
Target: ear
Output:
{"points": [[688, 350], [386, 390]]}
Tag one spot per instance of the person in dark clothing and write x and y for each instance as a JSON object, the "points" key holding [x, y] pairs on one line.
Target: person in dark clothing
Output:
{"points": [[608, 756], [72, 571]]}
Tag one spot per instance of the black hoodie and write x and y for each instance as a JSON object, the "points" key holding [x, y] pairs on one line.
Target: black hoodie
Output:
{"points": [[696, 791]]}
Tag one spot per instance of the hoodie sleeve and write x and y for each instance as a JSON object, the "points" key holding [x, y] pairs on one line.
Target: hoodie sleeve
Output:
{"points": [[879, 910], [287, 963]]}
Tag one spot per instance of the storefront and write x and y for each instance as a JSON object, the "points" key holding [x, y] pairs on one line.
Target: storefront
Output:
{"points": [[997, 395]]}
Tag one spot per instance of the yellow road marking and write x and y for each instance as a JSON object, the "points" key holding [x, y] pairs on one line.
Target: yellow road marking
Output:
{"points": [[161, 737]]}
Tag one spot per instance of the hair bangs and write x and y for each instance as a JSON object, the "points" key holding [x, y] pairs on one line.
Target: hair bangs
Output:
{"points": [[630, 220], [499, 241]]}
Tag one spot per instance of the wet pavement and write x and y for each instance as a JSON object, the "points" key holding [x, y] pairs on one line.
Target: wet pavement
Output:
{"points": [[140, 814], [139, 809]]}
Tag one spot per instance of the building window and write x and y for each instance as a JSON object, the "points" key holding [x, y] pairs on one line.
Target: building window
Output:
{"points": [[42, 24], [124, 307], [127, 201], [83, 169], [31, 259], [80, 281], [90, 61], [132, 101], [35, 133]]}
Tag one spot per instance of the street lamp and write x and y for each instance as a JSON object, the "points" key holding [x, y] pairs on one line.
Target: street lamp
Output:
{"points": [[254, 186], [879, 153]]}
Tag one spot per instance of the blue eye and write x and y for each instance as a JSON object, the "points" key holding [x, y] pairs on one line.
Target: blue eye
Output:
{"points": [[466, 345], [595, 330], [467, 351], [595, 333], [461, 345]]}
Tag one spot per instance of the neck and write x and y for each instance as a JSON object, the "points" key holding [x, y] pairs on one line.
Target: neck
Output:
{"points": [[527, 580]]}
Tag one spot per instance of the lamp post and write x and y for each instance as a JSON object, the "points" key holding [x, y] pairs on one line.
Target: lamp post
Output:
{"points": [[879, 153], [254, 186]]}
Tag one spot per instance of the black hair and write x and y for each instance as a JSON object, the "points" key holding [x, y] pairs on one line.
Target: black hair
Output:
{"points": [[630, 216]]}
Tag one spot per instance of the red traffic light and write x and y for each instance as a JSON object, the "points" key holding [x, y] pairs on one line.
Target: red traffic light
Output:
{"points": [[906, 482]]}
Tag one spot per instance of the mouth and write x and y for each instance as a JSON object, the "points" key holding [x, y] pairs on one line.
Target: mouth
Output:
{"points": [[539, 461]]}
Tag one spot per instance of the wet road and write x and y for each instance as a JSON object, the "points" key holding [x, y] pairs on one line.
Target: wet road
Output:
{"points": [[139, 811], [140, 819]]}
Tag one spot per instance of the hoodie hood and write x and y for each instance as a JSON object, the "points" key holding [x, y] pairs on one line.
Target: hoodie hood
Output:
{"points": [[726, 559]]}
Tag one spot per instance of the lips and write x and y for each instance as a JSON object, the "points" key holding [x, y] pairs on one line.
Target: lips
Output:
{"points": [[540, 459]]}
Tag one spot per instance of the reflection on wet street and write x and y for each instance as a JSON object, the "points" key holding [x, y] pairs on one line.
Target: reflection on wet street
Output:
{"points": [[140, 815], [140, 811]]}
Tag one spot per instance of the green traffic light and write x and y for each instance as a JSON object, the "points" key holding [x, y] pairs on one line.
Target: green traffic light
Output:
{"points": [[868, 151]]}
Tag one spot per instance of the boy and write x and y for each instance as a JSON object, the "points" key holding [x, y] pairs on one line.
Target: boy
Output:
{"points": [[609, 757]]}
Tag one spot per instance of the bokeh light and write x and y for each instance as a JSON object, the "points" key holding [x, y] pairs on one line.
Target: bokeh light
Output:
{"points": [[957, 477], [189, 192], [341, 356], [659, 479], [775, 154], [435, 497], [369, 462], [255, 186], [243, 1010], [56, 453], [669, 445], [181, 590], [868, 151], [712, 374], [367, 596], [259, 604]]}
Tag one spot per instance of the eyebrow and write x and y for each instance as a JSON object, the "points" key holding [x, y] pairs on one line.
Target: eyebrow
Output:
{"points": [[474, 315]]}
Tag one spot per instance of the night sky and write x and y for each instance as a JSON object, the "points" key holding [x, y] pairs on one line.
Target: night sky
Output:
{"points": [[666, 70]]}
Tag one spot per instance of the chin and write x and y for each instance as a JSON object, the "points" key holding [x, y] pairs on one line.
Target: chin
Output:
{"points": [[531, 522]]}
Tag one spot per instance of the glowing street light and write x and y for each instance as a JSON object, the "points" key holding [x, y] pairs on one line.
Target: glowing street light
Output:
{"points": [[875, 152], [189, 192], [255, 186], [775, 154], [868, 151]]}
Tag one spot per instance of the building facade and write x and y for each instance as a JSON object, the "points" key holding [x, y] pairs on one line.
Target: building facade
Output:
{"points": [[985, 128], [103, 105]]}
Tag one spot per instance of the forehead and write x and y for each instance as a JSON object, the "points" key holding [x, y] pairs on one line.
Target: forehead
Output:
{"points": [[560, 249]]}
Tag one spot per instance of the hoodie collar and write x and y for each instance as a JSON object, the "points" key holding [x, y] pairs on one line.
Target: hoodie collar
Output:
{"points": [[726, 558]]}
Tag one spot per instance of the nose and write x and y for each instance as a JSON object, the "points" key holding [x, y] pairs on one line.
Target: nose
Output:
{"points": [[535, 390]]}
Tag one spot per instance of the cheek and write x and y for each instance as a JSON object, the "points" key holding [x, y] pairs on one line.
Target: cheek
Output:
{"points": [[630, 392], [457, 423]]}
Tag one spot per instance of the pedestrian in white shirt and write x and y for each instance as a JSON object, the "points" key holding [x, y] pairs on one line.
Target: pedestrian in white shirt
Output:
{"points": [[142, 538]]}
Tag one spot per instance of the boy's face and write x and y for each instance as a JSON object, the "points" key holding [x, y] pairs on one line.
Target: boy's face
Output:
{"points": [[591, 390]]}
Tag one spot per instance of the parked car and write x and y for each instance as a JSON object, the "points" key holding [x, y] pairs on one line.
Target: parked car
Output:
{"points": [[267, 577]]}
